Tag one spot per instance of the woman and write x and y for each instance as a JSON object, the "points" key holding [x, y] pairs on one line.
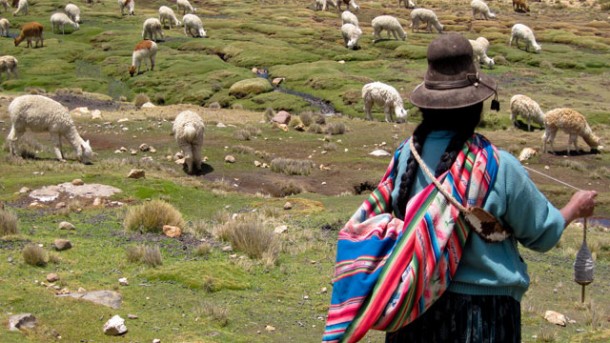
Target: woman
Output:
{"points": [[445, 278]]}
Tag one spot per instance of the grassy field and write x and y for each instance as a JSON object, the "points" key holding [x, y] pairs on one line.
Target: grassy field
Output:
{"points": [[203, 292]]}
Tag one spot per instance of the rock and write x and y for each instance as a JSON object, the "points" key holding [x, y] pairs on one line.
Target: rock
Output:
{"points": [[526, 154], [107, 298], [136, 174], [123, 281], [269, 328], [24, 190], [265, 165], [122, 120], [221, 125], [133, 152], [243, 88], [230, 159], [123, 149], [62, 244], [96, 114], [280, 229], [156, 340], [288, 205], [282, 127], [379, 153], [60, 204], [277, 81], [257, 164], [78, 182], [152, 149], [282, 117], [132, 316], [52, 277], [300, 127], [178, 155], [227, 248], [79, 111], [148, 104], [144, 147], [172, 231], [180, 161], [324, 290], [555, 318], [115, 326], [66, 226], [146, 159], [97, 201], [21, 321]]}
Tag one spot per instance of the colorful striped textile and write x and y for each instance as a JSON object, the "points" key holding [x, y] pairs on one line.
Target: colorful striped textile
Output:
{"points": [[389, 271]]}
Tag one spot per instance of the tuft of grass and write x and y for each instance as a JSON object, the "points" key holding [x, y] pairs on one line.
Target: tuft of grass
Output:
{"points": [[329, 146], [248, 234], [151, 216], [8, 223], [319, 119], [140, 100], [242, 135], [574, 165], [315, 128], [243, 149], [335, 128], [214, 312], [148, 255], [292, 167], [35, 255], [287, 189], [306, 118], [268, 114], [203, 249]]}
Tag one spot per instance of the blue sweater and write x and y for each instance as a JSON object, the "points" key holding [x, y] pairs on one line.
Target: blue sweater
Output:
{"points": [[495, 268]]}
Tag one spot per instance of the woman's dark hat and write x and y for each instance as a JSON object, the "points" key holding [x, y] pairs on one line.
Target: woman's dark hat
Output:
{"points": [[452, 79]]}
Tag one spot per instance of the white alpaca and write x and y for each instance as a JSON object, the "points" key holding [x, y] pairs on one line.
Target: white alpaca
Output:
{"points": [[73, 12], [152, 29], [427, 16], [8, 65], [193, 26], [388, 23], [351, 34], [383, 95], [22, 8], [4, 4], [526, 108], [4, 26], [479, 52], [130, 5], [322, 5], [41, 114], [59, 21], [573, 123], [188, 131], [408, 3], [167, 14], [480, 7], [348, 3], [144, 50], [348, 17], [185, 6], [520, 31]]}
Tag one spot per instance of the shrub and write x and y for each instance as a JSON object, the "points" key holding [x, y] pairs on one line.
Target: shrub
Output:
{"points": [[248, 234], [203, 249], [242, 135], [35, 255], [295, 122], [287, 189], [306, 118], [335, 129], [243, 149], [329, 146], [140, 100], [291, 167], [149, 255], [151, 216], [268, 114], [8, 223], [315, 128], [254, 131], [319, 119], [216, 313]]}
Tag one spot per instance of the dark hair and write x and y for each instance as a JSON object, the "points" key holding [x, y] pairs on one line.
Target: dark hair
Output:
{"points": [[461, 120]]}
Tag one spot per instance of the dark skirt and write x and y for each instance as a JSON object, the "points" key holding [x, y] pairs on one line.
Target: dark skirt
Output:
{"points": [[464, 318]]}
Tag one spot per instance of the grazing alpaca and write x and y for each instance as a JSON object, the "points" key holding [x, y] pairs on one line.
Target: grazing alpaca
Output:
{"points": [[30, 31], [41, 114], [145, 50], [573, 123], [383, 95], [188, 130]]}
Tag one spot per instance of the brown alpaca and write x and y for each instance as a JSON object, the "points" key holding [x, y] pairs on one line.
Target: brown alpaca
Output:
{"points": [[520, 6], [30, 31]]}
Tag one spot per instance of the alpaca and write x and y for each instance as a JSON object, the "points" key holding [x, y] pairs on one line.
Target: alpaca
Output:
{"points": [[41, 114], [427, 16], [383, 95], [524, 106], [144, 50], [8, 65], [388, 23], [30, 31], [188, 130], [520, 31], [573, 123]]}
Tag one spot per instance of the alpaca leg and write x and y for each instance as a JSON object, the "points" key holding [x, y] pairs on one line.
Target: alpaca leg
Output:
{"points": [[388, 114], [573, 140], [367, 109], [13, 140], [197, 157], [56, 139], [188, 157]]}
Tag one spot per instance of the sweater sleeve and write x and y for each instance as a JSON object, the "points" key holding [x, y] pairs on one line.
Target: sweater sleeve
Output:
{"points": [[536, 223]]}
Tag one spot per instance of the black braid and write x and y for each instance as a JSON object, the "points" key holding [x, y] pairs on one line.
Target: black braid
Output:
{"points": [[461, 120], [407, 179]]}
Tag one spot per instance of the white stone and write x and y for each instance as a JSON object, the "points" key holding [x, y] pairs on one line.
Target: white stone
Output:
{"points": [[123, 281], [280, 229], [115, 326], [379, 153]]}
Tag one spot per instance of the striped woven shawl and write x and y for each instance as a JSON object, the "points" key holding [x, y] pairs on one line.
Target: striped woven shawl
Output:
{"points": [[389, 271]]}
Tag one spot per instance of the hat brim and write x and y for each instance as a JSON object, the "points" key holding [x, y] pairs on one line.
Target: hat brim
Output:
{"points": [[423, 97]]}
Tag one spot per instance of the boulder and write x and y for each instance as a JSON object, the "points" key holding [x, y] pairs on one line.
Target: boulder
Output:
{"points": [[282, 117], [62, 244], [22, 320], [172, 231], [244, 88], [115, 326], [66, 226], [136, 174]]}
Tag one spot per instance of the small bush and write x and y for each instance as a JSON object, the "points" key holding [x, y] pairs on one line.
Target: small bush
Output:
{"points": [[254, 131], [242, 149], [242, 135], [151, 216], [214, 105], [306, 118], [35, 255], [140, 100], [216, 313], [248, 234], [287, 189], [294, 122], [203, 249], [335, 129], [268, 114], [330, 146], [315, 128], [319, 119], [8, 223], [292, 167], [148, 255]]}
